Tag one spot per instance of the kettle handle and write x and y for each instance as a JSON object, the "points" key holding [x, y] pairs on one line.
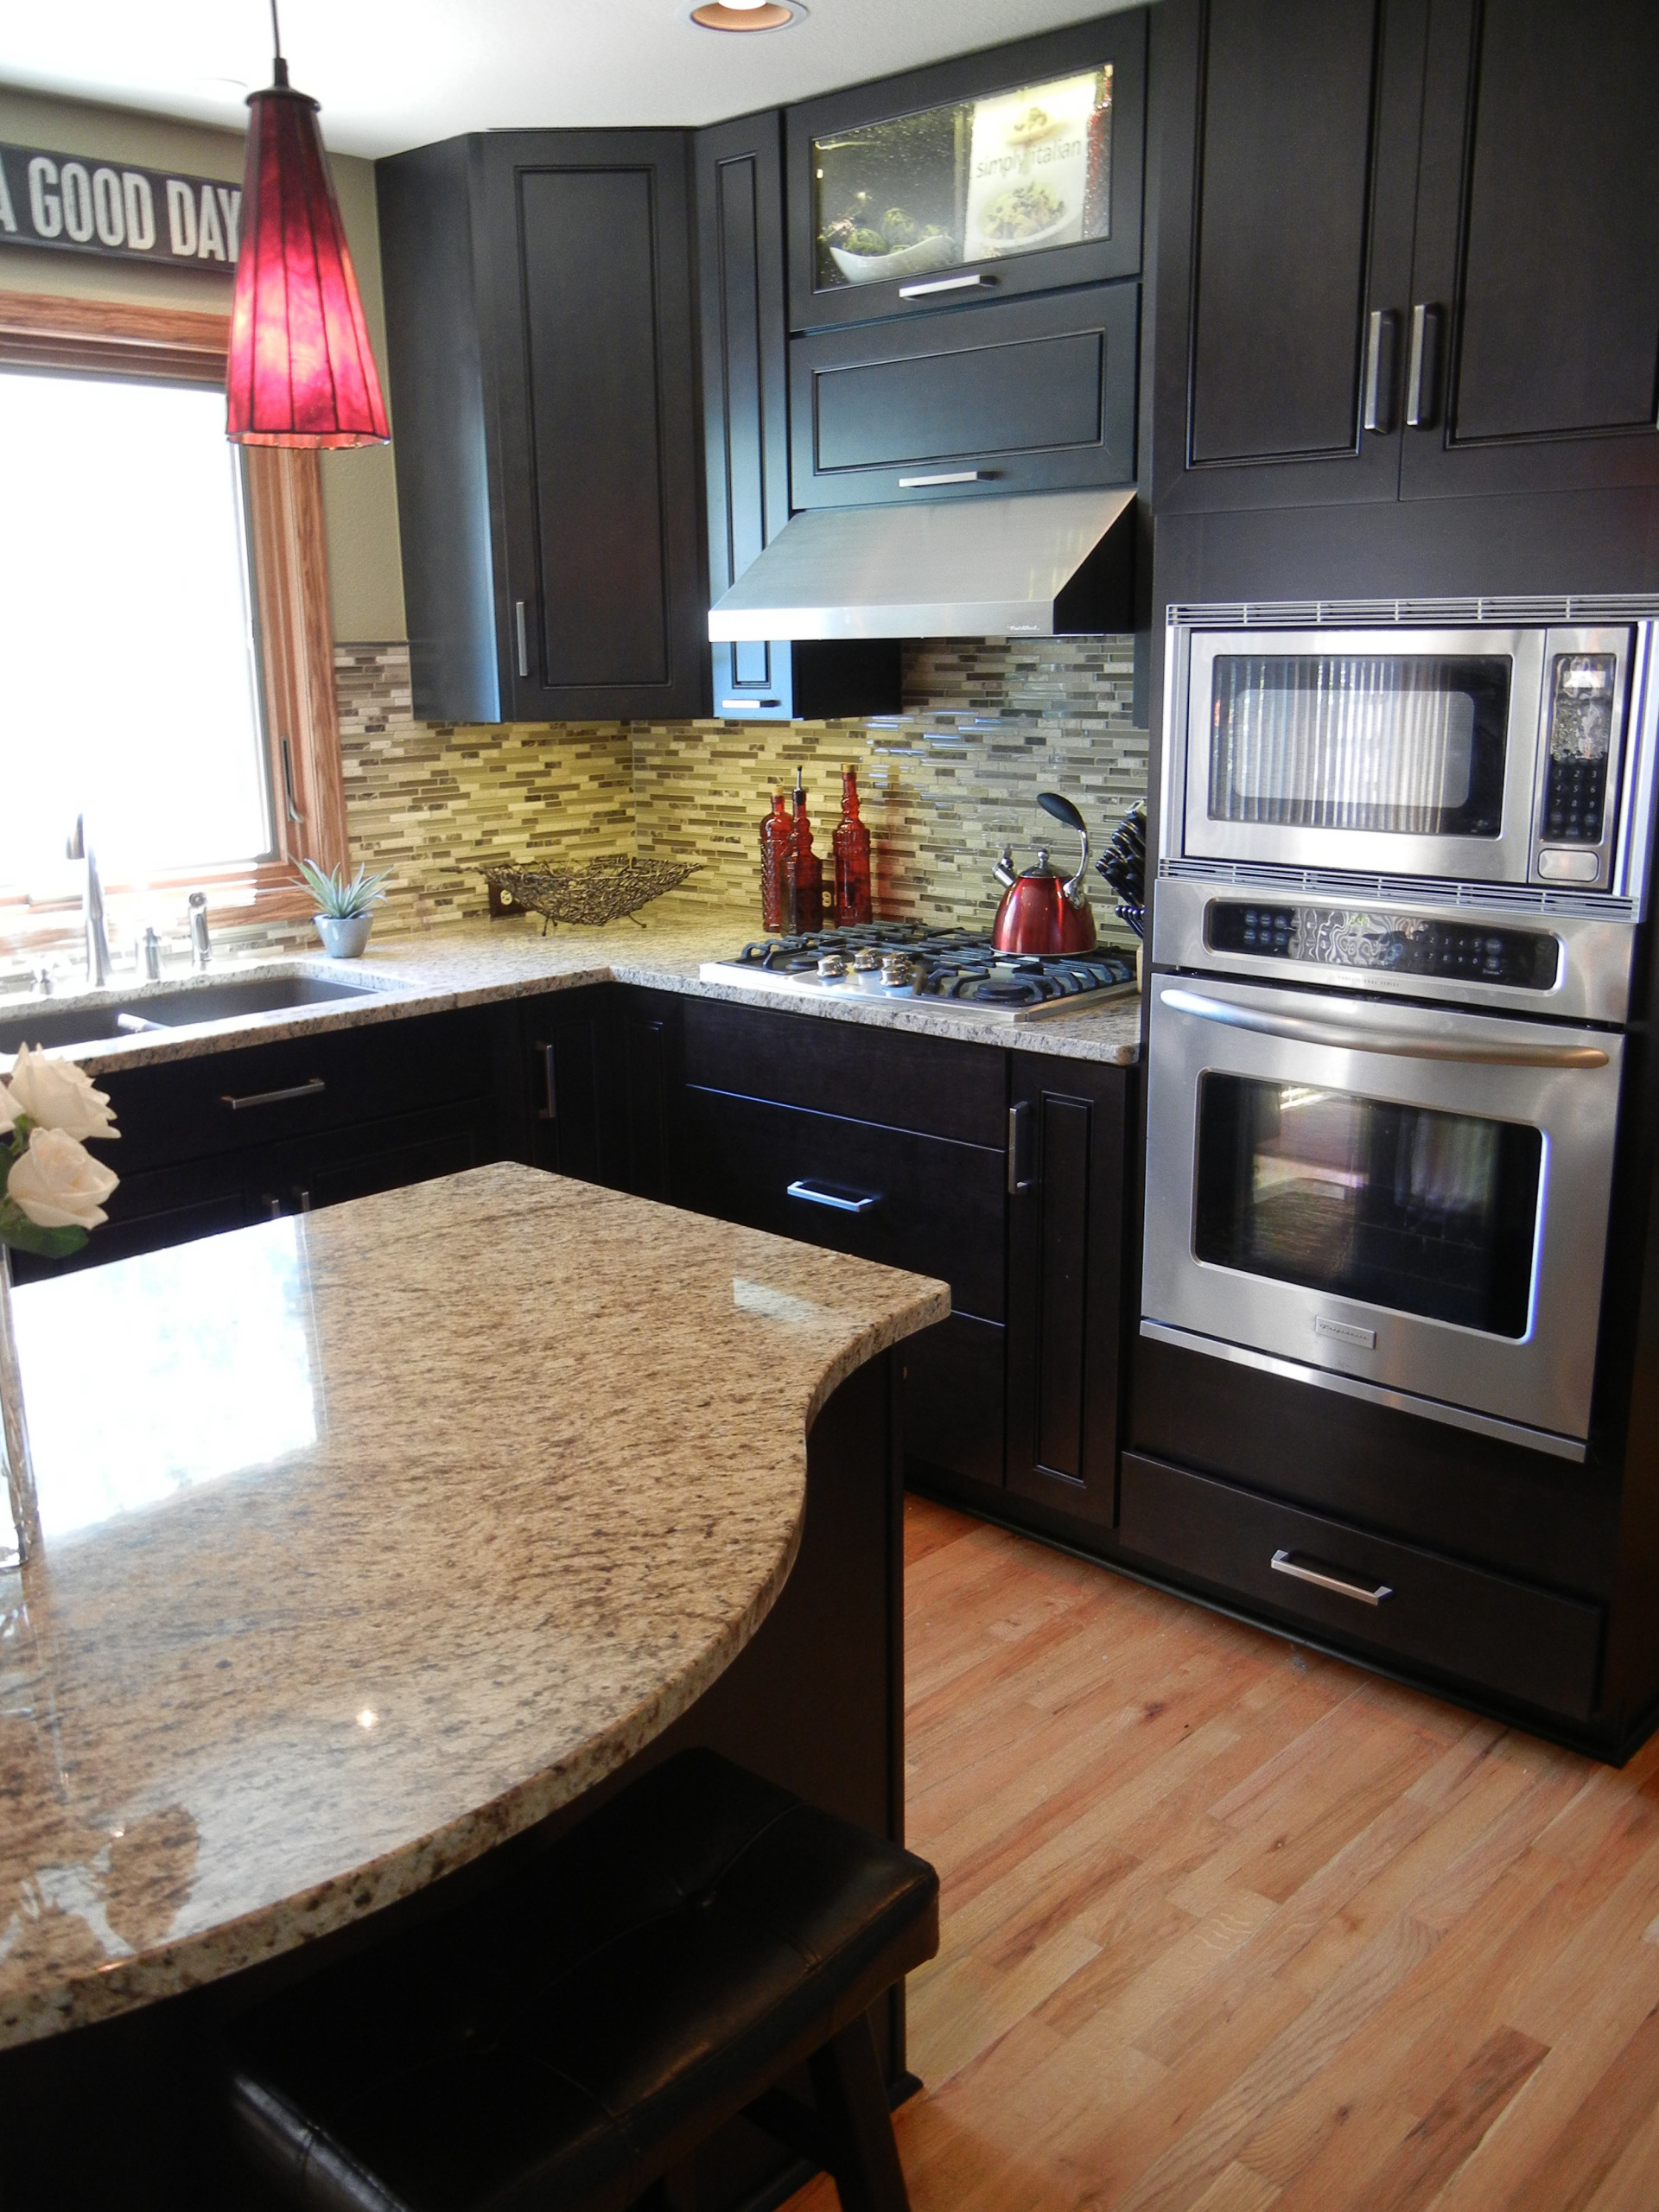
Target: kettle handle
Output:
{"points": [[1060, 807]]}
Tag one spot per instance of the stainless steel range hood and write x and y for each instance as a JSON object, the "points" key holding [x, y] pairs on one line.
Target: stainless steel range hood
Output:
{"points": [[1034, 564]]}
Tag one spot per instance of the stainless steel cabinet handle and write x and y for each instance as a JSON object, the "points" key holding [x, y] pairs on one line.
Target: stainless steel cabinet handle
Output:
{"points": [[524, 643], [1420, 371], [943, 284], [273, 1097], [1379, 371], [1326, 1578], [1379, 1037], [1016, 1124], [549, 1109], [951, 476], [825, 1194], [304, 1198]]}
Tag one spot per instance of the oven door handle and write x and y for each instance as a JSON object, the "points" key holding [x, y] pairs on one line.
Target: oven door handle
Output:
{"points": [[1406, 1043]]}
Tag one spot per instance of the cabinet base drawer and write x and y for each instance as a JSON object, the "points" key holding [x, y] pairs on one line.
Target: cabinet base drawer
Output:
{"points": [[1412, 1608], [879, 1193]]}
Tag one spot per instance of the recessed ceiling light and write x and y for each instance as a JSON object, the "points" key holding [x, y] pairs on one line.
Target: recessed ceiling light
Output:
{"points": [[747, 14]]}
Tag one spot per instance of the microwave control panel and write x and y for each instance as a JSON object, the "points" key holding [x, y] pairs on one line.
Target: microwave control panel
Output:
{"points": [[1401, 944]]}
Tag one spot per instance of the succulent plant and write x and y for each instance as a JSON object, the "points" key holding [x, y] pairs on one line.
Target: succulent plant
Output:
{"points": [[338, 900]]}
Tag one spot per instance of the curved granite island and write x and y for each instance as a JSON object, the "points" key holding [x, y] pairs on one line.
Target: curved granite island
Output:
{"points": [[373, 1538]]}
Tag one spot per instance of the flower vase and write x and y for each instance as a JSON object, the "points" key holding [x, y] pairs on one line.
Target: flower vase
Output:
{"points": [[14, 1435]]}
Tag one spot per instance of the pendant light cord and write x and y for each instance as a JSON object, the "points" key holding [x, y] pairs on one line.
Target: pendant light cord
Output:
{"points": [[279, 66]]}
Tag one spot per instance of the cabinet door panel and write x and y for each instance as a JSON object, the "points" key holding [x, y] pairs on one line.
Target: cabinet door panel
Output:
{"points": [[954, 1399], [1279, 309], [1065, 1277], [1031, 394], [590, 250], [1538, 248], [1291, 132], [858, 116]]}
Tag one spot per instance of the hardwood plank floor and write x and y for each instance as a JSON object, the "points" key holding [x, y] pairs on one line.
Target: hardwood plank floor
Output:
{"points": [[1231, 1927]]}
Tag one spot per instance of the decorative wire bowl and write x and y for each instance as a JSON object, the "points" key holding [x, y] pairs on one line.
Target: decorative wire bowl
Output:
{"points": [[597, 892]]}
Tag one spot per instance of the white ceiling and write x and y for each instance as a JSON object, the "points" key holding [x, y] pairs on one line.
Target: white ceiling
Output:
{"points": [[394, 74]]}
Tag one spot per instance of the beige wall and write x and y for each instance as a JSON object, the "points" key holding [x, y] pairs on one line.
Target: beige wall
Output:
{"points": [[359, 490]]}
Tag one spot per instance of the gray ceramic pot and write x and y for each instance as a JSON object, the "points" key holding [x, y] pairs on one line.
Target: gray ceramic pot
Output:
{"points": [[344, 935]]}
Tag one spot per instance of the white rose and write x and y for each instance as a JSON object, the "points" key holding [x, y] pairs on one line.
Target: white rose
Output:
{"points": [[57, 1095], [58, 1183], [9, 1109]]}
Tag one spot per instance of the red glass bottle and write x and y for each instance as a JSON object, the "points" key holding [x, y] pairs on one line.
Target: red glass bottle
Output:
{"points": [[776, 831], [803, 874], [852, 851]]}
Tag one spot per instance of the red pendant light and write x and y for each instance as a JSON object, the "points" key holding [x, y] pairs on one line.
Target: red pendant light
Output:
{"points": [[301, 371]]}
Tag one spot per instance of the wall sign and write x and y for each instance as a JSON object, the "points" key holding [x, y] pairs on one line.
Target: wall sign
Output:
{"points": [[85, 206]]}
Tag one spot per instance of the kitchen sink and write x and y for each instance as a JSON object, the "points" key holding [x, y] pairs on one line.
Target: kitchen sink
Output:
{"points": [[45, 1023]]}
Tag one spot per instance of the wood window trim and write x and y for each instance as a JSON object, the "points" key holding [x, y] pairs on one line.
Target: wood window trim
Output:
{"points": [[290, 578]]}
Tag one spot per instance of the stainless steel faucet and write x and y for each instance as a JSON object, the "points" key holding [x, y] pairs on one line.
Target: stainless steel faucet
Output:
{"points": [[91, 909], [201, 950]]}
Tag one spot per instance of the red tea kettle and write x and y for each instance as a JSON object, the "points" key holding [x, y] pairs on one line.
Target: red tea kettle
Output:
{"points": [[1042, 911]]}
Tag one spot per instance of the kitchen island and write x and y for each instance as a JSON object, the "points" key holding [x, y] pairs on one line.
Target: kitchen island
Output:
{"points": [[373, 1539]]}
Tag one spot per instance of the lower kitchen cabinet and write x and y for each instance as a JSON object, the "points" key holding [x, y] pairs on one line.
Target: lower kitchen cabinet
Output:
{"points": [[224, 1139], [1069, 1137], [601, 1071]]}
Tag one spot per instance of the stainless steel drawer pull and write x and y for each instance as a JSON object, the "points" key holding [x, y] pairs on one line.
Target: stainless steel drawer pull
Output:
{"points": [[549, 1109], [1326, 1578], [523, 642], [1378, 413], [1017, 1182], [827, 1194], [1422, 365], [274, 1097], [952, 476], [943, 284], [1381, 1037]]}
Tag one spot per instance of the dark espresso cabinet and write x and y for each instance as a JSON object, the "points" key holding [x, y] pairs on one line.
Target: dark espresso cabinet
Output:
{"points": [[1408, 248], [739, 210], [1069, 1137], [541, 345], [1026, 394], [227, 1138]]}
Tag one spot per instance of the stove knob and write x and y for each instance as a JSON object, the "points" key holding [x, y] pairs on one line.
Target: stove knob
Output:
{"points": [[830, 964]]}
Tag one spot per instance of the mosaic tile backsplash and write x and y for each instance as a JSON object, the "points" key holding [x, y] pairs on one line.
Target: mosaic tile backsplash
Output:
{"points": [[988, 724]]}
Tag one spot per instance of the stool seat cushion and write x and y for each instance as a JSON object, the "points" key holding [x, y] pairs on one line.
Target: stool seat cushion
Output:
{"points": [[555, 2041]]}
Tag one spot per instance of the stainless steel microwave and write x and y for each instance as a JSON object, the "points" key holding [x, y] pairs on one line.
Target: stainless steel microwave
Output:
{"points": [[1493, 750]]}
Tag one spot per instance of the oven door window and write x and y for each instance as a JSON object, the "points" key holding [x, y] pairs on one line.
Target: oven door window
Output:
{"points": [[1398, 1206], [1410, 744]]}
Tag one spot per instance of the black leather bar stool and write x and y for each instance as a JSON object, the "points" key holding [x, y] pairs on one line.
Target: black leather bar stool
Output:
{"points": [[568, 2039]]}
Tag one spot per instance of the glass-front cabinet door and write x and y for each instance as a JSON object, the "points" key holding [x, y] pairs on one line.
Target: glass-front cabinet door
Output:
{"points": [[1016, 170]]}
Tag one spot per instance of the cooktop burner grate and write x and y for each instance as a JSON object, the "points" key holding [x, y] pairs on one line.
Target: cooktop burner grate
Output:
{"points": [[937, 963]]}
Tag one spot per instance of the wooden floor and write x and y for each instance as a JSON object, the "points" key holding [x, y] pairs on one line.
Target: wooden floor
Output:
{"points": [[1229, 1925]]}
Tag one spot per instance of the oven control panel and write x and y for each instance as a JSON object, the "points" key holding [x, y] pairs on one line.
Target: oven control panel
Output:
{"points": [[1402, 945]]}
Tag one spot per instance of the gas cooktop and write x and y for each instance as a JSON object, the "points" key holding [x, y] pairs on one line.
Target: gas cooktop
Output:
{"points": [[908, 960]]}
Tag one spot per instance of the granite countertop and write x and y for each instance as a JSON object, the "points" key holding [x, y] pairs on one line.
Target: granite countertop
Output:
{"points": [[478, 961], [386, 1530]]}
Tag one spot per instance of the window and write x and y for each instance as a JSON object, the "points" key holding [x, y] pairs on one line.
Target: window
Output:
{"points": [[165, 656], [129, 686]]}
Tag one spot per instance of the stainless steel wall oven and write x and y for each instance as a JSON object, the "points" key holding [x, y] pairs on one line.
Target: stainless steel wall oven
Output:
{"points": [[1405, 851]]}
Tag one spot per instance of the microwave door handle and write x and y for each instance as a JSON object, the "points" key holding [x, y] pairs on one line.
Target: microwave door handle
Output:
{"points": [[1382, 1037]]}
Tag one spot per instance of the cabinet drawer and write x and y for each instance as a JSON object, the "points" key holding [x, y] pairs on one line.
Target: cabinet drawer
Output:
{"points": [[938, 1206], [1021, 395], [178, 1112], [929, 1084], [1439, 1615]]}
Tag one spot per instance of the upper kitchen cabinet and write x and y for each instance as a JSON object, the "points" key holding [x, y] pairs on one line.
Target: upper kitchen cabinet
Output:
{"points": [[1407, 247], [542, 351], [1010, 171], [740, 217], [1531, 359]]}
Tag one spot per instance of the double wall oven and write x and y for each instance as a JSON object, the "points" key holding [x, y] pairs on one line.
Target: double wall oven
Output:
{"points": [[1404, 856]]}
